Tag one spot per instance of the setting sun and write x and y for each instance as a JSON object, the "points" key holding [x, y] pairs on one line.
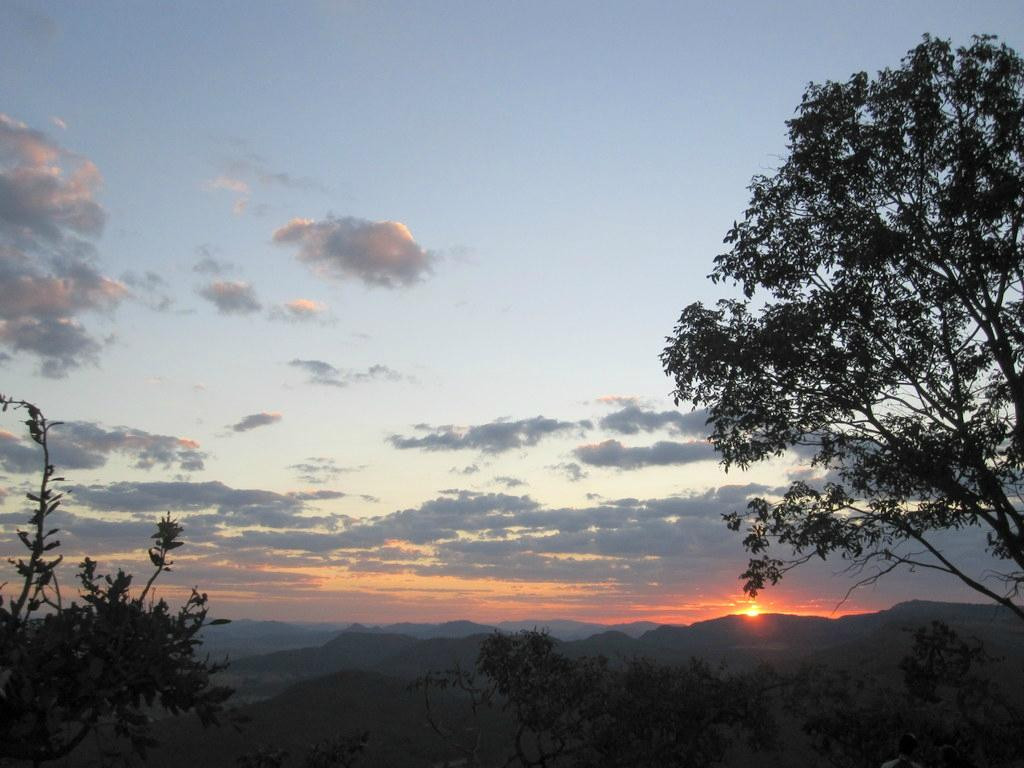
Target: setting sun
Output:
{"points": [[753, 611]]}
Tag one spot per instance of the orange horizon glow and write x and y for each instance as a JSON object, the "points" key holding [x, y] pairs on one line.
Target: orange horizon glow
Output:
{"points": [[335, 594]]}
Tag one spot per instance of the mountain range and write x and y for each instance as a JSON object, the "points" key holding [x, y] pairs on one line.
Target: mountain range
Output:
{"points": [[358, 678], [740, 641]]}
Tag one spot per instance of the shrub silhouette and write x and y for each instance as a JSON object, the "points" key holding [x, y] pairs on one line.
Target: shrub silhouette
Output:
{"points": [[103, 660]]}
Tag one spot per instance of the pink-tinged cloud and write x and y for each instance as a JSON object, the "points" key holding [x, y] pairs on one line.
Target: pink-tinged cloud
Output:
{"points": [[304, 307], [618, 400], [22, 146], [48, 274], [228, 183], [379, 253], [231, 184], [24, 292], [231, 297], [37, 201], [299, 310]]}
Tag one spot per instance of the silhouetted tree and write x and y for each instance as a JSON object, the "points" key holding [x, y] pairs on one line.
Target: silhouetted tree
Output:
{"points": [[947, 696], [584, 712], [881, 326], [68, 668]]}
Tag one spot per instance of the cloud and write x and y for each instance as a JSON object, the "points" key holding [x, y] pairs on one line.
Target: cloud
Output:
{"points": [[375, 372], [70, 288], [321, 372], [149, 288], [299, 310], [256, 167], [572, 471], [509, 482], [612, 453], [17, 455], [319, 469], [494, 437], [208, 264], [62, 344], [382, 254], [628, 543], [231, 297], [496, 535], [632, 419], [232, 185], [236, 186], [233, 507], [86, 445], [254, 420], [47, 272], [619, 400], [440, 518], [37, 201], [319, 495]]}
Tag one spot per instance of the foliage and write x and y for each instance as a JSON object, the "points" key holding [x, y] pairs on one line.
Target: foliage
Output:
{"points": [[881, 323], [946, 698], [337, 752], [67, 669], [262, 757], [584, 712]]}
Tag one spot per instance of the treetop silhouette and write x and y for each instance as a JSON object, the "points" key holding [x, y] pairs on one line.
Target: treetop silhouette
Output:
{"points": [[881, 324]]}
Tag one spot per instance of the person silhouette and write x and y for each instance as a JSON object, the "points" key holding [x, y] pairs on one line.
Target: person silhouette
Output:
{"points": [[907, 746]]}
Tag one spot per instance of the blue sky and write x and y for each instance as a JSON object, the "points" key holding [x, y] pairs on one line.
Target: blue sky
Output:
{"points": [[316, 226]]}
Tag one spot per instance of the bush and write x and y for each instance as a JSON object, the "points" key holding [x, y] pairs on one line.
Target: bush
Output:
{"points": [[104, 660]]}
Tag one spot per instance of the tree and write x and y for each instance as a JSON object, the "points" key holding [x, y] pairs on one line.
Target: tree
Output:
{"points": [[67, 669], [948, 694], [583, 712], [881, 323]]}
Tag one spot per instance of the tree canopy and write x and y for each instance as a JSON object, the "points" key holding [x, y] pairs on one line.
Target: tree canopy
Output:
{"points": [[881, 324], [574, 712]]}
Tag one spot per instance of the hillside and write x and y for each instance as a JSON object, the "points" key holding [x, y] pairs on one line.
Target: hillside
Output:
{"points": [[740, 641], [359, 680]]}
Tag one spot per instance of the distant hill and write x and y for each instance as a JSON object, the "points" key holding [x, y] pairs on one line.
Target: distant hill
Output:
{"points": [[564, 629], [261, 676], [427, 631], [245, 637], [359, 679], [740, 641]]}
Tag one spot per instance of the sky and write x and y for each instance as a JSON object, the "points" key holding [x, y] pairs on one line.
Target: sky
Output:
{"points": [[371, 295]]}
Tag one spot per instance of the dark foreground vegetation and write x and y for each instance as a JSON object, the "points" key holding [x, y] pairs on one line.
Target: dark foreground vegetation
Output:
{"points": [[69, 667], [97, 680], [772, 690]]}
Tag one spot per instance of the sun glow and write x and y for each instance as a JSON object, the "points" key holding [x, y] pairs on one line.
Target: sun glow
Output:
{"points": [[753, 611]]}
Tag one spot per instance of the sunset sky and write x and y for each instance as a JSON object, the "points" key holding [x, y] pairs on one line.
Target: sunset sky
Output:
{"points": [[371, 295]]}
